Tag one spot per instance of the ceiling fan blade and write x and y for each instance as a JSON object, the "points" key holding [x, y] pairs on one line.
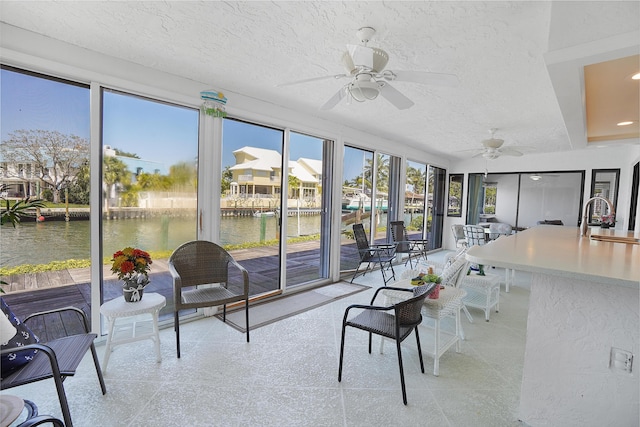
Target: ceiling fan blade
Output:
{"points": [[335, 99], [392, 95], [313, 79], [425, 77], [508, 151]]}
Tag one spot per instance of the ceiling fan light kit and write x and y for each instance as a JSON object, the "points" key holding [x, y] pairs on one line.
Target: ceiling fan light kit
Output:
{"points": [[363, 91]]}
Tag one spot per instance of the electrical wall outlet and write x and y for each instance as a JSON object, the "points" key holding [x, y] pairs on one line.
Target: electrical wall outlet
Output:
{"points": [[621, 360]]}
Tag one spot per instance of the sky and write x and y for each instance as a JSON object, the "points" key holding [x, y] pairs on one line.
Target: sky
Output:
{"points": [[154, 131]]}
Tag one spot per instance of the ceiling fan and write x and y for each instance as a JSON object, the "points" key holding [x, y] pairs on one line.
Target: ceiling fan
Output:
{"points": [[493, 148], [368, 78]]}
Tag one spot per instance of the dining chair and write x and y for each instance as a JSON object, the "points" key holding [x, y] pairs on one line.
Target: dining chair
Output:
{"points": [[458, 234], [404, 245], [396, 322], [201, 272], [497, 229], [66, 338], [476, 235], [383, 255]]}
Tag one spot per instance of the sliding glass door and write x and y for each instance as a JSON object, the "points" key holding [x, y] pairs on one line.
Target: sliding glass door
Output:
{"points": [[436, 205], [357, 202], [307, 206], [415, 199], [149, 183], [251, 201]]}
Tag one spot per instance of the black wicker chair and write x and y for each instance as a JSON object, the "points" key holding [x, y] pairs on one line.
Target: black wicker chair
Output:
{"points": [[56, 358], [382, 255], [201, 262], [412, 247], [395, 322]]}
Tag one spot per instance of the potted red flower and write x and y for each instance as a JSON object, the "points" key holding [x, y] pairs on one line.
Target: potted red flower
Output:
{"points": [[132, 267]]}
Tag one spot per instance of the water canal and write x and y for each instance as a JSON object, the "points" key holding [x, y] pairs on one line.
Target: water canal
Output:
{"points": [[43, 242]]}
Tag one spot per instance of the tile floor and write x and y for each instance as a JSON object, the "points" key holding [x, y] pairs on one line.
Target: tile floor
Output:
{"points": [[287, 375]]}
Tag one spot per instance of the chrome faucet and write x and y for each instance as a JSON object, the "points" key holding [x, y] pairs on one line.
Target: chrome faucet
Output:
{"points": [[584, 227]]}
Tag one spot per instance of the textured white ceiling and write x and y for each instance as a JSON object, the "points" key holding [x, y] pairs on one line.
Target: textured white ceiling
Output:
{"points": [[495, 48]]}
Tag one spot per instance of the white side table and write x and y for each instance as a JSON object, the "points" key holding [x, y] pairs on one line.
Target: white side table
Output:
{"points": [[117, 308]]}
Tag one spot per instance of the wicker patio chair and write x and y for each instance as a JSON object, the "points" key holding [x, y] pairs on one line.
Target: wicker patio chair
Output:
{"points": [[404, 245], [475, 235], [382, 255], [458, 234], [497, 229], [396, 322], [199, 263], [56, 358]]}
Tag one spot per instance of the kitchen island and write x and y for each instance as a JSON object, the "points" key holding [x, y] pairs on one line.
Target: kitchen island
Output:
{"points": [[584, 302]]}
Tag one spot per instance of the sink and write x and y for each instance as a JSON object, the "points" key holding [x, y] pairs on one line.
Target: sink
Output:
{"points": [[616, 239]]}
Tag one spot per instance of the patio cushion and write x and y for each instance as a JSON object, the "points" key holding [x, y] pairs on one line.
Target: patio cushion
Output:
{"points": [[24, 336]]}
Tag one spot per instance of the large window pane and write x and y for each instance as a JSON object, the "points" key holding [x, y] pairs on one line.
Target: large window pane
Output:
{"points": [[356, 202], [45, 154], [381, 164], [251, 201], [149, 183], [307, 227], [604, 183], [552, 197], [414, 199], [525, 200]]}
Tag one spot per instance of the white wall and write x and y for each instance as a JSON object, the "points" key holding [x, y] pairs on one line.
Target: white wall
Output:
{"points": [[566, 378]]}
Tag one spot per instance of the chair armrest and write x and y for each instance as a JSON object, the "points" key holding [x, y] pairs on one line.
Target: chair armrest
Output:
{"points": [[364, 307], [378, 250], [389, 288], [53, 359], [177, 283], [420, 241], [383, 245], [79, 312], [245, 275]]}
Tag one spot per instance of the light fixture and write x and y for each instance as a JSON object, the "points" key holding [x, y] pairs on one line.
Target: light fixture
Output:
{"points": [[491, 154], [626, 123], [536, 177], [363, 88], [636, 76]]}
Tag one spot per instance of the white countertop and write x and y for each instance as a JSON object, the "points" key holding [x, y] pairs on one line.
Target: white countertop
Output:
{"points": [[561, 251]]}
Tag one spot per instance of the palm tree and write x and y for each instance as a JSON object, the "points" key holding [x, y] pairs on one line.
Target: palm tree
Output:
{"points": [[381, 171], [416, 178], [114, 172]]}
